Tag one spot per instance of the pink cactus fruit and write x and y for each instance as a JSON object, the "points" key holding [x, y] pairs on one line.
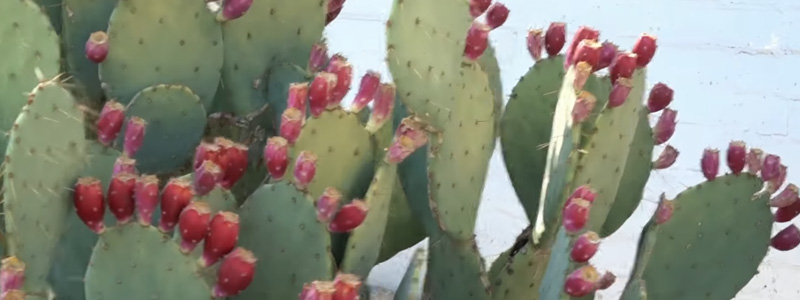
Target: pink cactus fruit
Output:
{"points": [[321, 92], [145, 195], [576, 214], [665, 126], [305, 168], [408, 137], [110, 122], [232, 160], [786, 197], [134, 135], [665, 209], [582, 72], [645, 49], [619, 92], [584, 192], [97, 47], [582, 281], [235, 273], [90, 203], [660, 97], [291, 124], [623, 66], [497, 15], [233, 9], [477, 40], [382, 109], [318, 290], [12, 274], [606, 281], [176, 196], [223, 233], [205, 151], [478, 7], [346, 286], [121, 196], [535, 41], [327, 204], [588, 51], [709, 163], [666, 158], [206, 178], [368, 88], [736, 156], [298, 96], [755, 159], [786, 239], [775, 183], [344, 77], [349, 217], [584, 106], [585, 247], [193, 225], [770, 168], [124, 164], [608, 52], [319, 56], [334, 8], [583, 33], [787, 213], [555, 38], [276, 156]]}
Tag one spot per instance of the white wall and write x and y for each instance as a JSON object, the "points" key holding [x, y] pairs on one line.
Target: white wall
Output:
{"points": [[733, 65]]}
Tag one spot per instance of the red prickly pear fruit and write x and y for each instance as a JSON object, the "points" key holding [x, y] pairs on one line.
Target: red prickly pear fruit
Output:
{"points": [[305, 167], [478, 7], [619, 92], [206, 178], [665, 126], [786, 239], [775, 183], [583, 107], [134, 135], [535, 41], [121, 195], [666, 158], [12, 274], [233, 9], [276, 156], [145, 195], [709, 163], [318, 57], [555, 38], [585, 247], [608, 51], [497, 15], [346, 286], [736, 156], [408, 137], [349, 217], [755, 159], [97, 47], [477, 40], [606, 281], [232, 160], [623, 66], [298, 94], [660, 97], [645, 49], [110, 122], [193, 225], [124, 164], [770, 168], [235, 273], [786, 197], [327, 204], [583, 33], [582, 72], [205, 151], [584, 192], [176, 196], [321, 92], [382, 109], [90, 203], [291, 123], [665, 209], [223, 233], [576, 214], [334, 8], [588, 51], [582, 281], [318, 290], [344, 77], [368, 88], [787, 213]]}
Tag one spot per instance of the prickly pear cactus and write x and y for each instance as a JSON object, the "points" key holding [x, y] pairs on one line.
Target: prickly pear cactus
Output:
{"points": [[81, 19]]}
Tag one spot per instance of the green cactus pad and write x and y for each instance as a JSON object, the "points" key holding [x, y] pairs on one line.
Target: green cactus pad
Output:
{"points": [[81, 19], [456, 270], [162, 42], [489, 64], [634, 178], [413, 283], [52, 8], [176, 120], [559, 266], [45, 156], [272, 33], [137, 262], [279, 224], [713, 244], [525, 129], [362, 250], [278, 81], [402, 228], [517, 273], [23, 24]]}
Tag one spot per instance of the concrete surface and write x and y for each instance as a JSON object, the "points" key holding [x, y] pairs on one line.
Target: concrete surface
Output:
{"points": [[730, 63]]}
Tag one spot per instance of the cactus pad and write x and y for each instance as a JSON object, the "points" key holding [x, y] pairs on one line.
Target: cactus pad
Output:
{"points": [[162, 42], [456, 270], [279, 224], [402, 229], [81, 19], [517, 273], [413, 283], [489, 64]]}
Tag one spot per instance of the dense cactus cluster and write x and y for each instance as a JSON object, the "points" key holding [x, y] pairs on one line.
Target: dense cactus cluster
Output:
{"points": [[231, 169]]}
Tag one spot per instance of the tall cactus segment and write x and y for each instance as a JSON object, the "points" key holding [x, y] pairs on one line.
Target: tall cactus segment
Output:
{"points": [[23, 24], [155, 42], [81, 19], [37, 178]]}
